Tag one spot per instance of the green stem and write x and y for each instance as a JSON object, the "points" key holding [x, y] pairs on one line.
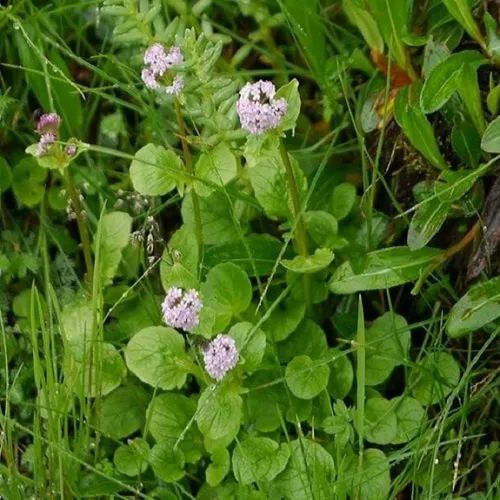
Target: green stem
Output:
{"points": [[300, 230], [360, 386], [82, 227], [188, 160]]}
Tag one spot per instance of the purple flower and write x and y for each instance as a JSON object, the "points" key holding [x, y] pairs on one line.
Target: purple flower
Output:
{"points": [[157, 63], [181, 309], [70, 149], [46, 140], [48, 123], [257, 108], [220, 356], [176, 87]]}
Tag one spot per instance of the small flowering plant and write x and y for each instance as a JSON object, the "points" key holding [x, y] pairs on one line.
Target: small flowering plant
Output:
{"points": [[160, 66], [49, 151]]}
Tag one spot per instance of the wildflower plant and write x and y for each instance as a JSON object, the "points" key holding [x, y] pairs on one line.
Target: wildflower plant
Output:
{"points": [[257, 309]]}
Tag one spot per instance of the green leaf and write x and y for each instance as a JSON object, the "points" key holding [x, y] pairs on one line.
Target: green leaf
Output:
{"points": [[28, 181], [167, 462], [301, 264], [250, 347], [227, 290], [341, 375], [290, 93], [179, 263], [442, 81], [342, 200], [479, 307], [426, 222], [155, 355], [466, 142], [380, 421], [217, 166], [219, 414], [434, 377], [155, 171], [382, 269], [364, 21], [99, 374], [410, 416], [393, 17], [305, 377], [460, 10], [169, 416], [491, 137], [374, 482], [309, 474], [115, 236], [387, 344], [322, 227], [256, 255], [219, 467], [132, 459], [308, 338], [122, 412], [259, 459], [218, 225], [284, 319], [415, 125]]}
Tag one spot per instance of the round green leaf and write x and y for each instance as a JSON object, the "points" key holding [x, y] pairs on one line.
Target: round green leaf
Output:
{"points": [[219, 414], [310, 469], [305, 378], [380, 421], [434, 377], [322, 227], [219, 467], [28, 181], [308, 338], [251, 348], [169, 417], [341, 375], [167, 462], [387, 344], [155, 171], [228, 291], [374, 483], [410, 416], [155, 355], [132, 459], [321, 258], [259, 459], [122, 412], [284, 319], [217, 166], [342, 200]]}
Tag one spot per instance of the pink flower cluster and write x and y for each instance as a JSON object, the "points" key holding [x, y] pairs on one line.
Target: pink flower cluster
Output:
{"points": [[47, 128], [220, 356], [258, 109], [157, 62], [181, 309]]}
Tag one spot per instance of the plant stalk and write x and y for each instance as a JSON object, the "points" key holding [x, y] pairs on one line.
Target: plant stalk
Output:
{"points": [[82, 227], [188, 160], [300, 230]]}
